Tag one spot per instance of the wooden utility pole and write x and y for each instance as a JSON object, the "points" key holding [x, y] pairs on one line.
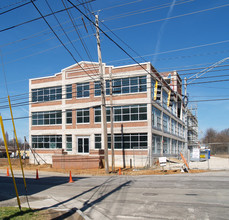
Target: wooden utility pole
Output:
{"points": [[103, 98], [112, 126]]}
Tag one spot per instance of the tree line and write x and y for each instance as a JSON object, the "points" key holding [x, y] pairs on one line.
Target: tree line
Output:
{"points": [[218, 142]]}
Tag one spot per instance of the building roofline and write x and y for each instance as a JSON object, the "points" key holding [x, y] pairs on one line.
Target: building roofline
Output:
{"points": [[44, 77]]}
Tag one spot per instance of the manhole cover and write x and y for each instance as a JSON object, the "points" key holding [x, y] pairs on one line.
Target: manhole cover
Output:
{"points": [[149, 194]]}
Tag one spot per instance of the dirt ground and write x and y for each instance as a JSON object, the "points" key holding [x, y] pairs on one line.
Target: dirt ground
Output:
{"points": [[157, 170]]}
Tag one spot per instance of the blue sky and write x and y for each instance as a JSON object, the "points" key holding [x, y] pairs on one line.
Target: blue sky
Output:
{"points": [[175, 35]]}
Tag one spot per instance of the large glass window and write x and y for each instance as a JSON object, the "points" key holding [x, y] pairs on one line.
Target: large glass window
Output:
{"points": [[126, 141], [165, 99], [152, 88], [68, 91], [156, 144], [166, 145], [47, 94], [97, 111], [173, 127], [156, 118], [124, 113], [98, 141], [166, 123], [46, 141], [97, 88], [83, 115], [69, 142], [69, 116], [174, 147], [47, 118], [180, 130], [127, 85], [83, 90]]}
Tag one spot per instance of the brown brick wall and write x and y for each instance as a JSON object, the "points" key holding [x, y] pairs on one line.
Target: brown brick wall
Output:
{"points": [[128, 68], [47, 127], [51, 103], [76, 162], [58, 77]]}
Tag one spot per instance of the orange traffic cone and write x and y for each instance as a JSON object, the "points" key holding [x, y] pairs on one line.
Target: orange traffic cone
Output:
{"points": [[7, 172], [119, 171], [70, 178], [37, 177]]}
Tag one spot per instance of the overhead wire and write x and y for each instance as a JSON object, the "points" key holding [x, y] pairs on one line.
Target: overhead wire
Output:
{"points": [[70, 41], [29, 21], [12, 9], [177, 16], [79, 35], [60, 39], [145, 10], [15, 3]]}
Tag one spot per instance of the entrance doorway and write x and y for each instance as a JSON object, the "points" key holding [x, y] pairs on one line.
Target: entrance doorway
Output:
{"points": [[83, 145]]}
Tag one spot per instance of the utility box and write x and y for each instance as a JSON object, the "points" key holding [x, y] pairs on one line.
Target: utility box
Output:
{"points": [[204, 155]]}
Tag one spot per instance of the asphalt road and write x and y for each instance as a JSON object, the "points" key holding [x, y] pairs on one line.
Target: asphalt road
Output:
{"points": [[183, 196]]}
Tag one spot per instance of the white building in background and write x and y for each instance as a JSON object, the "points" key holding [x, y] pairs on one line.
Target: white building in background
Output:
{"points": [[65, 115]]}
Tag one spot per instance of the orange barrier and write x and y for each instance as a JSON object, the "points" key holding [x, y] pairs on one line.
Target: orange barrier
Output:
{"points": [[185, 162], [37, 177], [119, 171], [70, 178], [7, 172]]}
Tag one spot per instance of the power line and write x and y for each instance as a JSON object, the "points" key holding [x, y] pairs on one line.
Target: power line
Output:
{"points": [[175, 50], [78, 34], [19, 6], [209, 100], [35, 19], [60, 40], [145, 10], [6, 6], [110, 38], [207, 77], [223, 80], [177, 16]]}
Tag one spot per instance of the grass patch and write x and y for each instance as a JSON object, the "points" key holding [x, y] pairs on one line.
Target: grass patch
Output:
{"points": [[7, 213]]}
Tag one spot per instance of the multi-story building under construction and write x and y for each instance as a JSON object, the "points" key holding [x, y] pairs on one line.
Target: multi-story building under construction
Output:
{"points": [[65, 115]]}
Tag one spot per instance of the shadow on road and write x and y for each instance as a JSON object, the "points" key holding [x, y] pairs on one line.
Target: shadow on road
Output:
{"points": [[87, 204], [33, 186]]}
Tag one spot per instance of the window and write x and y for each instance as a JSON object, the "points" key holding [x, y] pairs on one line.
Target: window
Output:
{"points": [[127, 85], [97, 88], [165, 99], [68, 116], [156, 118], [47, 118], [69, 142], [180, 146], [97, 111], [156, 145], [126, 141], [83, 90], [98, 141], [179, 130], [166, 145], [174, 147], [46, 141], [124, 113], [152, 88], [83, 116], [174, 108], [47, 94], [166, 123], [68, 91], [173, 127]]}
